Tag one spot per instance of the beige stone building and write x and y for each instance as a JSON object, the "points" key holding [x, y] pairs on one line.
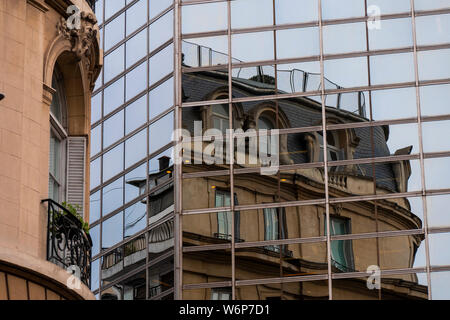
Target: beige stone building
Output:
{"points": [[49, 64]]}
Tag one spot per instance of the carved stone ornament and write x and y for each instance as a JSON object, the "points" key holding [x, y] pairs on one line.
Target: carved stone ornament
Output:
{"points": [[81, 38]]}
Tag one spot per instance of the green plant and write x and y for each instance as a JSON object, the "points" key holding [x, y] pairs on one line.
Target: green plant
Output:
{"points": [[73, 209]]}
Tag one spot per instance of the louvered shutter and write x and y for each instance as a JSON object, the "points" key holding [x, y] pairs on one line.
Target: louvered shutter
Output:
{"points": [[76, 150]]}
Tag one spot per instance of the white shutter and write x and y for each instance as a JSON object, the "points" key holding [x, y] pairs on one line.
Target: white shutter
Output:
{"points": [[76, 150]]}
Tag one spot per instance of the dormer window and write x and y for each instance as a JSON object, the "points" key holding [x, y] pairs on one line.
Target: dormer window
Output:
{"points": [[220, 117], [333, 151]]}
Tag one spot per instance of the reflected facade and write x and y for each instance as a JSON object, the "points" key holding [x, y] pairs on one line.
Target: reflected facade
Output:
{"points": [[345, 200]]}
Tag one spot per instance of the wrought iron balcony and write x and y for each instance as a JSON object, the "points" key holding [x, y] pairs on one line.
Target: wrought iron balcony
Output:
{"points": [[68, 245]]}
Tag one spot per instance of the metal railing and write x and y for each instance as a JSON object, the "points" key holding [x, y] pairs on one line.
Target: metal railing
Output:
{"points": [[68, 245], [289, 81]]}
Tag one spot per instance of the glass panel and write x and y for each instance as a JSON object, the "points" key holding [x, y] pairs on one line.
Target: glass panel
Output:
{"points": [[440, 281], [94, 207], [294, 11], [438, 249], [113, 96], [432, 29], [113, 129], [136, 48], [112, 196], [274, 261], [135, 218], [135, 183], [111, 7], [430, 5], [114, 63], [161, 31], [136, 16], [214, 17], [392, 68], [206, 187], [437, 173], [299, 77], [136, 81], [332, 9], [132, 288], [434, 64], [205, 52], [341, 38], [96, 140], [394, 104], [434, 100], [95, 175], [161, 64], [305, 290], [288, 43], [160, 133], [95, 236], [390, 288], [161, 98], [96, 107], [437, 211], [112, 232], [156, 7], [388, 6], [114, 32], [432, 130], [250, 47], [241, 19], [396, 33], [135, 148], [113, 162], [216, 265], [349, 72], [136, 114]]}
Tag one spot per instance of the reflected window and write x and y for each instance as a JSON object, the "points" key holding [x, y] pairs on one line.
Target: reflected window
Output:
{"points": [[341, 250], [274, 228], [220, 294], [333, 150], [220, 117], [265, 123], [224, 218]]}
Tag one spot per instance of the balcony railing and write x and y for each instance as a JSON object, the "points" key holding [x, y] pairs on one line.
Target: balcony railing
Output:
{"points": [[68, 245], [289, 81]]}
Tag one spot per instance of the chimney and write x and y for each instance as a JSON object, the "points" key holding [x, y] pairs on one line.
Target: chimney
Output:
{"points": [[164, 162]]}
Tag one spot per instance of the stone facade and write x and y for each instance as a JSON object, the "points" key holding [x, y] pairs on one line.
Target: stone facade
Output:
{"points": [[32, 40]]}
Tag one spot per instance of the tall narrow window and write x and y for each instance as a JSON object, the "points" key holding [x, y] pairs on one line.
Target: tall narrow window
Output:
{"points": [[333, 150], [264, 123], [220, 117], [58, 140], [273, 226], [220, 294], [224, 220], [341, 250]]}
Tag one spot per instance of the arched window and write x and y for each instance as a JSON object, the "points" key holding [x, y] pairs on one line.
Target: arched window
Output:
{"points": [[220, 117], [58, 140], [334, 152], [265, 123]]}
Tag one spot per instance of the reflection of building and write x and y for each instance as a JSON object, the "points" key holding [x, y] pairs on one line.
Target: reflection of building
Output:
{"points": [[160, 249], [48, 73], [290, 186]]}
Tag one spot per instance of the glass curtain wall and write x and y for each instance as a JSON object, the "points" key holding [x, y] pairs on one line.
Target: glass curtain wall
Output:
{"points": [[131, 210], [345, 200], [355, 94]]}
